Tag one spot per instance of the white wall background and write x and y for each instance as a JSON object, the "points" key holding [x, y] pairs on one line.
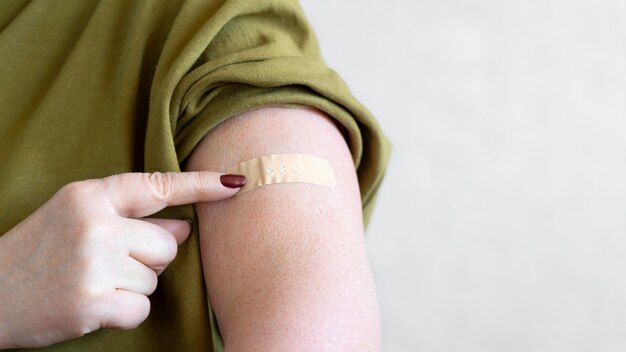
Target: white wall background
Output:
{"points": [[502, 223]]}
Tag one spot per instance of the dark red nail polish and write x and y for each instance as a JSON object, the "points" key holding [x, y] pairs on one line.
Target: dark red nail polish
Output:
{"points": [[233, 181]]}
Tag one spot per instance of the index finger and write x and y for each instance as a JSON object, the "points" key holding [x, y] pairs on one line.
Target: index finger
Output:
{"points": [[142, 194]]}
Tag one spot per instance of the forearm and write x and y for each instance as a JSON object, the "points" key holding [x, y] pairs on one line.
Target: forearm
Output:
{"points": [[285, 265]]}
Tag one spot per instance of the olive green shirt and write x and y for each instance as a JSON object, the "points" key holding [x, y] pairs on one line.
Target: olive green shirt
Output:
{"points": [[90, 89]]}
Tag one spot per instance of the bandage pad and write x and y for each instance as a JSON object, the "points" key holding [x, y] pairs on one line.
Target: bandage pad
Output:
{"points": [[282, 168]]}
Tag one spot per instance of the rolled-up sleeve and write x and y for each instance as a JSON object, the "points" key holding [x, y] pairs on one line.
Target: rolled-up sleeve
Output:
{"points": [[243, 55]]}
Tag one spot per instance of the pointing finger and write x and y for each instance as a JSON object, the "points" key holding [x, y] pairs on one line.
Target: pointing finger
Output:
{"points": [[141, 194]]}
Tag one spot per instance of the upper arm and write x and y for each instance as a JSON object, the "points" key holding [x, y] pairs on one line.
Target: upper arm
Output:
{"points": [[285, 265]]}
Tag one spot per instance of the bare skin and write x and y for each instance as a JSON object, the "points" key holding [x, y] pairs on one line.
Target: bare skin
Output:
{"points": [[285, 265], [91, 250]]}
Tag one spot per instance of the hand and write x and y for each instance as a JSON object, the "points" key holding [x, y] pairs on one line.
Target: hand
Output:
{"points": [[85, 260]]}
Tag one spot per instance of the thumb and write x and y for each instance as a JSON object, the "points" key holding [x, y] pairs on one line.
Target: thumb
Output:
{"points": [[141, 194], [180, 229]]}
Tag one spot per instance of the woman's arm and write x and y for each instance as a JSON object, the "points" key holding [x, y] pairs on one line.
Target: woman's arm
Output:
{"points": [[285, 265]]}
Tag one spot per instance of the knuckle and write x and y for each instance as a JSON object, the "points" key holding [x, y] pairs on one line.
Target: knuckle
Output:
{"points": [[125, 314], [159, 269], [130, 314], [76, 213], [154, 281], [161, 184], [169, 248], [139, 313], [78, 191]]}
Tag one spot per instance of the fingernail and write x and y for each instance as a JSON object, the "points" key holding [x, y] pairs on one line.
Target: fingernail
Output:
{"points": [[233, 181], [190, 223]]}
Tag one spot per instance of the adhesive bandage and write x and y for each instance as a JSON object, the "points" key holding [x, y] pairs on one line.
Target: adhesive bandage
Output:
{"points": [[281, 168]]}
